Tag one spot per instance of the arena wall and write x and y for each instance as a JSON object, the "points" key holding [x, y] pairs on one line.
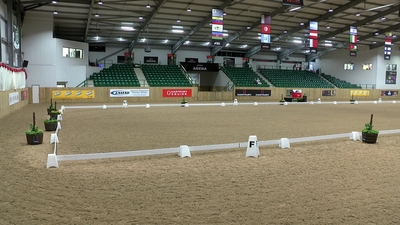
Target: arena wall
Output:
{"points": [[102, 95], [5, 107]]}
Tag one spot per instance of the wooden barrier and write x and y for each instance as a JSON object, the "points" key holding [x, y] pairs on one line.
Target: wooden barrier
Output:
{"points": [[5, 107], [102, 95]]}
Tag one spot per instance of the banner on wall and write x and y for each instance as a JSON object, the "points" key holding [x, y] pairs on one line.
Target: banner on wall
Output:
{"points": [[150, 60], [389, 93], [328, 93], [13, 98], [210, 59], [171, 93], [359, 93], [391, 77], [191, 60], [171, 59], [73, 94], [129, 57], [24, 95], [201, 66], [244, 92], [129, 93]]}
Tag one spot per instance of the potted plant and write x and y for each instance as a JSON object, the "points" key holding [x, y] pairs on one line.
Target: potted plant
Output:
{"points": [[183, 101], [51, 107], [54, 114], [369, 135], [282, 101], [50, 124], [34, 136], [352, 100]]}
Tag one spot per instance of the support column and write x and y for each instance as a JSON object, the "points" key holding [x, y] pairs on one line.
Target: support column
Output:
{"points": [[9, 30]]}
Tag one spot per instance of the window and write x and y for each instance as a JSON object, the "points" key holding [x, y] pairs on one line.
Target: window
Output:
{"points": [[72, 53]]}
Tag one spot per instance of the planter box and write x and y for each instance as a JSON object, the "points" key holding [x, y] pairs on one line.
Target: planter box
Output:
{"points": [[50, 126], [34, 139], [369, 138]]}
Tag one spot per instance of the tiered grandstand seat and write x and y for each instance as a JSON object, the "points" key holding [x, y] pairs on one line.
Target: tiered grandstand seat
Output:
{"points": [[118, 75], [165, 76], [295, 79], [340, 83], [243, 77]]}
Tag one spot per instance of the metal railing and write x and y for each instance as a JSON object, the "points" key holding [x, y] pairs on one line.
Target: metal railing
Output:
{"points": [[229, 86]]}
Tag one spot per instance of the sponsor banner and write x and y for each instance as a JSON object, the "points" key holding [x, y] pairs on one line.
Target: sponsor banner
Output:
{"points": [[191, 60], [391, 77], [129, 92], [170, 93], [201, 66], [13, 98], [389, 93], [262, 93], [265, 29], [151, 59], [328, 93], [359, 93], [72, 94], [24, 95], [265, 46]]}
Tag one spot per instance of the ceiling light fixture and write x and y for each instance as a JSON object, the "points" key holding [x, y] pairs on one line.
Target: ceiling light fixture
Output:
{"points": [[379, 7], [177, 31], [188, 10], [301, 24], [285, 31], [148, 6], [120, 39], [140, 17], [55, 12], [54, 2], [244, 46], [178, 20], [328, 27], [96, 15], [166, 40], [227, 44], [128, 28], [100, 2], [374, 42], [358, 14], [248, 28], [294, 9], [330, 10], [224, 14], [383, 18], [210, 24], [376, 33]]}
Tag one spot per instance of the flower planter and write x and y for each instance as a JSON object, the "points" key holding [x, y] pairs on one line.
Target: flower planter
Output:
{"points": [[183, 104], [54, 115], [352, 101], [50, 126], [369, 138], [36, 139], [49, 111]]}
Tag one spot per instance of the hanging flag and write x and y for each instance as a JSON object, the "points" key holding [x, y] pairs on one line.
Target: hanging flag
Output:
{"points": [[353, 41], [217, 27], [313, 37], [388, 46], [265, 32]]}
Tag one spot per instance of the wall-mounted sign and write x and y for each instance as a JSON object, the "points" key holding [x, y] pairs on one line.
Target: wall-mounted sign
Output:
{"points": [[72, 94], [328, 93], [129, 93], [389, 93], [24, 95], [359, 93], [151, 59], [13, 98], [201, 66], [171, 93], [261, 93]]}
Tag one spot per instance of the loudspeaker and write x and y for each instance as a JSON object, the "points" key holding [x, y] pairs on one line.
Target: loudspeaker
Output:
{"points": [[147, 49], [25, 63]]}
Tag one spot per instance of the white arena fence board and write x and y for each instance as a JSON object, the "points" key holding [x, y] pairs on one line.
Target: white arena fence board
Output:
{"points": [[214, 147]]}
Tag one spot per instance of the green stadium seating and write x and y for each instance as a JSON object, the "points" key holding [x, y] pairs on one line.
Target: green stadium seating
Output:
{"points": [[295, 79], [165, 76], [340, 83], [117, 75], [243, 77]]}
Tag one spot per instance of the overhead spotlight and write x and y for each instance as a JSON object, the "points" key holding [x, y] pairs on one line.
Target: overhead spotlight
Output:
{"points": [[54, 2], [376, 33], [227, 44], [96, 15], [188, 10], [330, 10], [178, 20], [374, 42], [333, 37], [328, 27], [224, 14], [100, 2], [285, 31], [210, 24], [148, 6], [140, 17], [248, 28], [358, 14], [120, 39], [301, 24], [55, 12], [383, 18]]}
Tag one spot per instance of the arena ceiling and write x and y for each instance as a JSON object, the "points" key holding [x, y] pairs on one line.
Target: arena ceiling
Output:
{"points": [[177, 23]]}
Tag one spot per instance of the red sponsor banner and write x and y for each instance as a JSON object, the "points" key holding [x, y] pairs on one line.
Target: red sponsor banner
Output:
{"points": [[265, 28], [170, 93]]}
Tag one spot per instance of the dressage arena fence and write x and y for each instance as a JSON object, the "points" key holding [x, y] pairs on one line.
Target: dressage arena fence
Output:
{"points": [[252, 144]]}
